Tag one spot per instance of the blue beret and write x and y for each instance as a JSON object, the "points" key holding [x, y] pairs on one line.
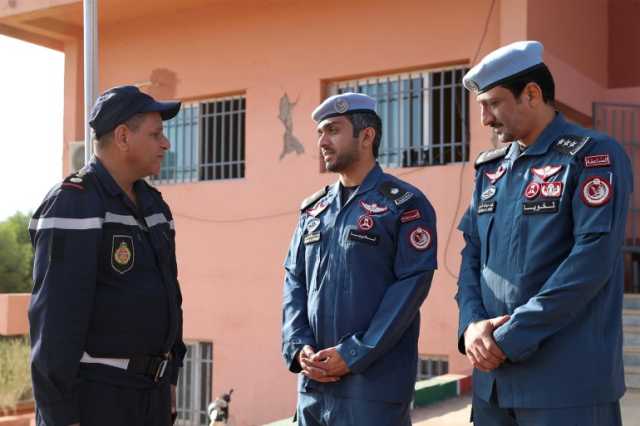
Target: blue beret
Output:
{"points": [[342, 104], [504, 64], [118, 104]]}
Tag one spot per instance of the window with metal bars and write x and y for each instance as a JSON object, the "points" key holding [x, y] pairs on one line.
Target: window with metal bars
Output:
{"points": [[207, 142], [425, 115], [194, 385], [432, 366]]}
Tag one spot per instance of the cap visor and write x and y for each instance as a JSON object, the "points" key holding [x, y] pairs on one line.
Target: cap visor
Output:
{"points": [[167, 110]]}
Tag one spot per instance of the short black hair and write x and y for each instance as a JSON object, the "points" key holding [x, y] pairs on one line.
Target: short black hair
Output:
{"points": [[362, 120], [539, 75], [132, 123]]}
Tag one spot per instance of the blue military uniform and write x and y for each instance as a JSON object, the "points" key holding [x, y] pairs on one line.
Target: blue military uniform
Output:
{"points": [[357, 272], [543, 244], [105, 288]]}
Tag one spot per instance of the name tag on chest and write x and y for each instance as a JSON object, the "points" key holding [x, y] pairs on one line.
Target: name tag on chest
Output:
{"points": [[540, 207]]}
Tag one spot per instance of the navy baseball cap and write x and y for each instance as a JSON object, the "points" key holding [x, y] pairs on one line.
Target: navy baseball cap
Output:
{"points": [[118, 104]]}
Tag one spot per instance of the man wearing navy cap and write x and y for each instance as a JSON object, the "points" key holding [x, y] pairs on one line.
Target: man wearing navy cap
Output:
{"points": [[541, 281], [105, 315], [359, 266]]}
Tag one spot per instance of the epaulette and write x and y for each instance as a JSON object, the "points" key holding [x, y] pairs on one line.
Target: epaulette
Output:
{"points": [[492, 154], [307, 202], [392, 191], [571, 144], [76, 180]]}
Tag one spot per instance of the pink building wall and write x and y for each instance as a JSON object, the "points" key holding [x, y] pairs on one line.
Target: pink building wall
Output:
{"points": [[232, 235]]}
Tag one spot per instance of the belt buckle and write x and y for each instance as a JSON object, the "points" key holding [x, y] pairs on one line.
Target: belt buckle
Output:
{"points": [[160, 371]]}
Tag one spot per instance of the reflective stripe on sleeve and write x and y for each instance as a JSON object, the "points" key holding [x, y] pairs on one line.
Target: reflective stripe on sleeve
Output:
{"points": [[65, 223]]}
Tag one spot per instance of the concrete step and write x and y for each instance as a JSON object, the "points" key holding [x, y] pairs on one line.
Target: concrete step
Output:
{"points": [[631, 317], [631, 301], [632, 377], [631, 356], [631, 336]]}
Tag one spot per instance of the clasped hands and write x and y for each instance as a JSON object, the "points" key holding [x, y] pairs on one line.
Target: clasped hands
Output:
{"points": [[480, 346], [324, 366]]}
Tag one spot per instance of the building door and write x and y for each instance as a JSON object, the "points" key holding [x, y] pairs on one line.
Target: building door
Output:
{"points": [[622, 121]]}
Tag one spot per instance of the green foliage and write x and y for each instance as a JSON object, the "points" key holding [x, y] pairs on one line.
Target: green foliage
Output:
{"points": [[15, 373], [16, 255]]}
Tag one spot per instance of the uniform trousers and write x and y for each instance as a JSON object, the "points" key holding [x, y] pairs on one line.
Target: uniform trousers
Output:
{"points": [[323, 409]]}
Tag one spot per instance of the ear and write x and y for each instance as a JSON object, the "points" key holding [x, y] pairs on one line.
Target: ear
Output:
{"points": [[120, 137], [367, 136], [533, 94]]}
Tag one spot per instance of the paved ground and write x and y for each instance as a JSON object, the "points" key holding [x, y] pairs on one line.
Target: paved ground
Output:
{"points": [[456, 411]]}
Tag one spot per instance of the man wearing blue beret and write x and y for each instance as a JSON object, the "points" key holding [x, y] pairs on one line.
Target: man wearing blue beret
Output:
{"points": [[541, 281], [359, 266], [105, 315]]}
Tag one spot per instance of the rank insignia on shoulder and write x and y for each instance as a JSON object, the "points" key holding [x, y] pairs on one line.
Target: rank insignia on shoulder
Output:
{"points": [[420, 238], [570, 144], [122, 253], [492, 154], [310, 200], [74, 181], [596, 191], [600, 160], [398, 195], [311, 238], [487, 207], [410, 216]]}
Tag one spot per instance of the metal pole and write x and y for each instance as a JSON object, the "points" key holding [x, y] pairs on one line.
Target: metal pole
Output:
{"points": [[90, 9]]}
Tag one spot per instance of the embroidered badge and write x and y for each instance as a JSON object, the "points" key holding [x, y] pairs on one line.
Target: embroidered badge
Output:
{"points": [[538, 207], [311, 238], [546, 172], [487, 207], [551, 189], [532, 190], [596, 191], [601, 160], [493, 177], [410, 216], [373, 208], [363, 237], [312, 225], [488, 193], [420, 238], [403, 199], [318, 207], [341, 106], [122, 253], [365, 222]]}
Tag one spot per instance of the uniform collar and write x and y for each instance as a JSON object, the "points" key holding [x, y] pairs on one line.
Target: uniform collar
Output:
{"points": [[369, 182], [105, 178], [548, 136]]}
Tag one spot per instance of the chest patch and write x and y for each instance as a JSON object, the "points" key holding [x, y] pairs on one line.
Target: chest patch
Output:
{"points": [[487, 207], [364, 237], [493, 177], [318, 207], [311, 238], [540, 207], [547, 171], [551, 189], [365, 222], [122, 253], [373, 208]]}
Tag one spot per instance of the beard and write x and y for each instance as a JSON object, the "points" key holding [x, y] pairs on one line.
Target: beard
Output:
{"points": [[343, 160]]}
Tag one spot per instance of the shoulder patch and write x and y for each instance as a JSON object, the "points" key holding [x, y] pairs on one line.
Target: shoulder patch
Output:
{"points": [[307, 202], [392, 191], [493, 154], [571, 144]]}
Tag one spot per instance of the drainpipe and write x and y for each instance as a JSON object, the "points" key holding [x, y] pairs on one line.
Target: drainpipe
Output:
{"points": [[90, 10]]}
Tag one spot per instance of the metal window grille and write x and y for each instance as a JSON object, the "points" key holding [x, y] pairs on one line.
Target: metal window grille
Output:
{"points": [[622, 122], [432, 366], [425, 116], [194, 385], [207, 142]]}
